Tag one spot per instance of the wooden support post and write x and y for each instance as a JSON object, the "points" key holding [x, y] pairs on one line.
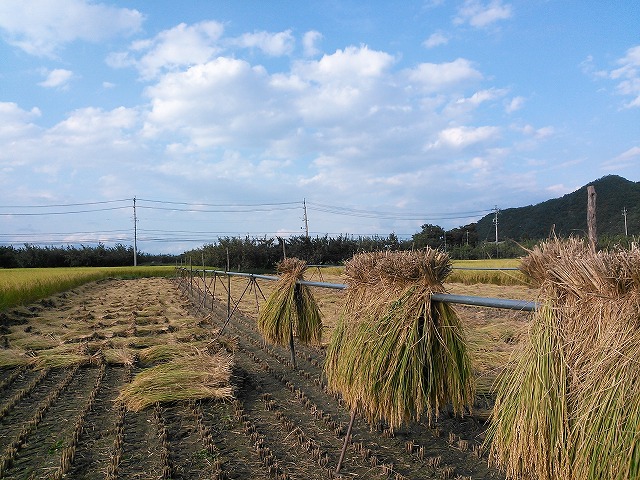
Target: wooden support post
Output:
{"points": [[346, 440], [591, 216]]}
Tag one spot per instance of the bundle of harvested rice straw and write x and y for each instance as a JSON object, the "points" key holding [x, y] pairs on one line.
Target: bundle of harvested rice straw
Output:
{"points": [[395, 354], [291, 309], [569, 406]]}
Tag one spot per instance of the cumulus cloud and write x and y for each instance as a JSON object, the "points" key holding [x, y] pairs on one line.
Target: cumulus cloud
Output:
{"points": [[273, 44], [41, 27], [436, 39], [343, 65], [57, 78], [462, 137], [442, 76], [15, 122], [215, 103], [480, 15], [310, 42], [180, 46]]}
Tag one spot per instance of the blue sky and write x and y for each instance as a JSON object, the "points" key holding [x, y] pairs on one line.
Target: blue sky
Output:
{"points": [[222, 117]]}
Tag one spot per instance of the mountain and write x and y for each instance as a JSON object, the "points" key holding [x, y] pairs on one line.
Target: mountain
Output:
{"points": [[567, 215]]}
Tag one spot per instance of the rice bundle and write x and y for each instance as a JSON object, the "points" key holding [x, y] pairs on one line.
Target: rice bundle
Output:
{"points": [[193, 377], [396, 354], [569, 406], [290, 309]]}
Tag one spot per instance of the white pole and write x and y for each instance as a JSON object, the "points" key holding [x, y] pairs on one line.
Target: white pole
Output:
{"points": [[135, 235]]}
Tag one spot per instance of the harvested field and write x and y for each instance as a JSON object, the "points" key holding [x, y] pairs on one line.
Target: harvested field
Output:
{"points": [[63, 421]]}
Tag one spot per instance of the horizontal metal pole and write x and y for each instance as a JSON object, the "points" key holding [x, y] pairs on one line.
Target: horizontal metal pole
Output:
{"points": [[505, 303], [335, 286], [523, 305], [491, 269]]}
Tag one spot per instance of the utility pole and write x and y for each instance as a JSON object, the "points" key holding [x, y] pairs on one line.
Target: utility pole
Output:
{"points": [[495, 221], [135, 235], [591, 216], [306, 219], [624, 214]]}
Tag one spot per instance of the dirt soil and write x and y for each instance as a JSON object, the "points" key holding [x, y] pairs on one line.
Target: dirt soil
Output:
{"points": [[65, 422]]}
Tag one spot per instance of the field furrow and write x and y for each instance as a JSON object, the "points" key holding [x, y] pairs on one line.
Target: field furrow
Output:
{"points": [[42, 452], [92, 455]]}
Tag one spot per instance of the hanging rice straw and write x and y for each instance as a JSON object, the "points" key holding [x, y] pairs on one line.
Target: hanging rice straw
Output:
{"points": [[569, 406], [395, 354], [291, 309]]}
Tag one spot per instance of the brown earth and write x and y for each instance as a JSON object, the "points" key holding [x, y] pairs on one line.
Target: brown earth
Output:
{"points": [[65, 423]]}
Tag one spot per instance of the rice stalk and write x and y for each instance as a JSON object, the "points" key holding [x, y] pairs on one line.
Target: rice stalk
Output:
{"points": [[569, 406], [164, 352], [119, 356], [193, 377], [529, 426], [395, 354], [290, 310], [13, 357]]}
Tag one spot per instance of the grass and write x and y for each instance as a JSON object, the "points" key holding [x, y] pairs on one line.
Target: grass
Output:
{"points": [[22, 286], [494, 277]]}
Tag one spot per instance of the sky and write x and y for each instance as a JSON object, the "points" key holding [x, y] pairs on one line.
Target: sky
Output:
{"points": [[235, 118]]}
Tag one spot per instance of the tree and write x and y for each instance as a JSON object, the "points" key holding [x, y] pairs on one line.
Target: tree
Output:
{"points": [[430, 236]]}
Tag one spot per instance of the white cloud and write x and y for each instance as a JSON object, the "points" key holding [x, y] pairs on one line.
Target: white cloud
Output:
{"points": [[442, 76], [273, 44], [626, 159], [57, 78], [15, 122], [436, 39], [538, 133], [182, 45], [310, 42], [628, 75], [345, 65], [467, 104], [462, 137], [220, 102], [515, 104], [40, 27], [480, 15]]}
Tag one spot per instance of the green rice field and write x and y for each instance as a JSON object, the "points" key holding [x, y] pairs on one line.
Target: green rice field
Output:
{"points": [[21, 286]]}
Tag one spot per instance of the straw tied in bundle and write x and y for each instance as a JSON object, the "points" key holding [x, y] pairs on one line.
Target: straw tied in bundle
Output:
{"points": [[396, 354], [569, 406], [290, 309]]}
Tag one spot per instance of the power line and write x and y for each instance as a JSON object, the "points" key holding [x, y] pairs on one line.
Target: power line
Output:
{"points": [[40, 214], [353, 212], [66, 204], [219, 204]]}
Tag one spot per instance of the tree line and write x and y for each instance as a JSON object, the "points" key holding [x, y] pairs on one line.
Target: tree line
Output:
{"points": [[263, 253], [31, 256]]}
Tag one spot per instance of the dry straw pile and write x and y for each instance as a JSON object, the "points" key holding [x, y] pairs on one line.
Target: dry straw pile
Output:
{"points": [[569, 406], [191, 377], [291, 309], [396, 354]]}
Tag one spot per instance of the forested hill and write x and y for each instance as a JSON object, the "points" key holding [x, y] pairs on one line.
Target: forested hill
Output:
{"points": [[568, 214]]}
